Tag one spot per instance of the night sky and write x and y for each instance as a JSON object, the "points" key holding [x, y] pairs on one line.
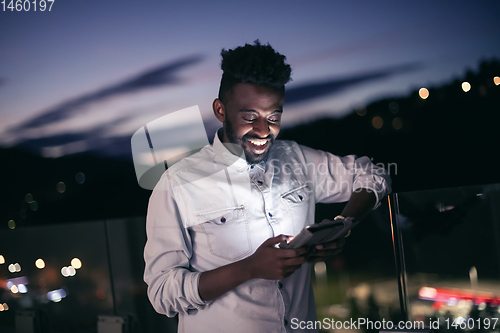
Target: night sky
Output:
{"points": [[90, 69]]}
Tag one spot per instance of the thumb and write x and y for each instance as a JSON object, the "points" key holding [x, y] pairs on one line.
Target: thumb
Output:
{"points": [[274, 240]]}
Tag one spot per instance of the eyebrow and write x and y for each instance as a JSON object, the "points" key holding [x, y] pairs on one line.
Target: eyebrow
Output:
{"points": [[251, 110]]}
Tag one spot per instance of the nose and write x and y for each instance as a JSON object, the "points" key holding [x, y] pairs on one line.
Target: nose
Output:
{"points": [[261, 128]]}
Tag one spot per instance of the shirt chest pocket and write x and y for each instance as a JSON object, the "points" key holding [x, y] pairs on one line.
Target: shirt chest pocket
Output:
{"points": [[227, 232], [296, 203], [297, 195]]}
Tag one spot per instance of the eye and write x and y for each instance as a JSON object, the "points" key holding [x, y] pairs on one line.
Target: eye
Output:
{"points": [[274, 119], [249, 119]]}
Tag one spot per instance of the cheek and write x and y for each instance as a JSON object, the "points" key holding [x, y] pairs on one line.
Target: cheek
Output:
{"points": [[241, 131], [275, 130], [244, 129]]}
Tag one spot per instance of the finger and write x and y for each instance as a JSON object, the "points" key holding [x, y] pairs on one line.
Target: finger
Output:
{"points": [[292, 253], [300, 251], [285, 242], [295, 261]]}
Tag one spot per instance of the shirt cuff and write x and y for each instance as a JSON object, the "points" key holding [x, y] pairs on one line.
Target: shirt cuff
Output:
{"points": [[376, 187], [193, 292]]}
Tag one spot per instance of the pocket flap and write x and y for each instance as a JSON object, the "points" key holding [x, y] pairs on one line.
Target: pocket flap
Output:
{"points": [[296, 195], [222, 216]]}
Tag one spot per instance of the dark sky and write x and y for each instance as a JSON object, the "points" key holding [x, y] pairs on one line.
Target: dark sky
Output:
{"points": [[117, 65]]}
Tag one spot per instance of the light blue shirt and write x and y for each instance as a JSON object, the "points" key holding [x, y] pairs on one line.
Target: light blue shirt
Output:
{"points": [[212, 209]]}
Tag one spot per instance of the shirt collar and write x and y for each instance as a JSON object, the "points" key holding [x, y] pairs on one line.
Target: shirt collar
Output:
{"points": [[224, 156], [261, 165]]}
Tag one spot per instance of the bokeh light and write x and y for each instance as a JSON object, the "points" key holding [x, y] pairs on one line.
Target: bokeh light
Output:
{"points": [[466, 86], [80, 178], [320, 268], [361, 111], [320, 273], [64, 271], [377, 122], [28, 198], [76, 263], [61, 187], [56, 295], [11, 224], [22, 288], [13, 268], [423, 93], [71, 271], [397, 123], [2, 259], [34, 206], [22, 213], [426, 292], [496, 79], [14, 289], [40, 263]]}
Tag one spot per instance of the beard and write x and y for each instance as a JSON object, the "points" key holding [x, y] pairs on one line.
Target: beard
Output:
{"points": [[243, 143]]}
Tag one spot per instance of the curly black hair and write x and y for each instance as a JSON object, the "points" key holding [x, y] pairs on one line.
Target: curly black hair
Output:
{"points": [[257, 64]]}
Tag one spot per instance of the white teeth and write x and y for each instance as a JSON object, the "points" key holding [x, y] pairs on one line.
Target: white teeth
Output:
{"points": [[259, 142]]}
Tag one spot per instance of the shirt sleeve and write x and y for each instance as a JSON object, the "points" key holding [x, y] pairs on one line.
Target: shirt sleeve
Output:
{"points": [[172, 286], [335, 177]]}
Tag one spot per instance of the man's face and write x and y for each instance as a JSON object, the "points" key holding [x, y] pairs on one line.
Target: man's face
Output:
{"points": [[251, 119]]}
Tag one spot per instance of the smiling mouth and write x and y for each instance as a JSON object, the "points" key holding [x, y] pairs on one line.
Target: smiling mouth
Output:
{"points": [[258, 142], [258, 146]]}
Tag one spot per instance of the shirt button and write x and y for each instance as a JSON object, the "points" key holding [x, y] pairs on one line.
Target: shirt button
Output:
{"points": [[251, 167], [260, 182], [280, 285], [270, 215], [285, 322]]}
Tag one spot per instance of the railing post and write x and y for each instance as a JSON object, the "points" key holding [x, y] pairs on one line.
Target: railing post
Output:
{"points": [[397, 243]]}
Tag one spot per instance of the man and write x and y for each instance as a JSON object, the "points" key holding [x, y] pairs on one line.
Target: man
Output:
{"points": [[216, 218]]}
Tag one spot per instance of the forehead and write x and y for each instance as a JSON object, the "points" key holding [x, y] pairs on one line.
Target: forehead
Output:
{"points": [[246, 96]]}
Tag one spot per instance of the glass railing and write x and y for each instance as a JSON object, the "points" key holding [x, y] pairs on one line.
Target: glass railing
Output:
{"points": [[357, 290], [450, 245], [429, 258], [79, 277]]}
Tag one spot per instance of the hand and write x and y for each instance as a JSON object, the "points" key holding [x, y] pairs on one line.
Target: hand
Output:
{"points": [[272, 263], [326, 250]]}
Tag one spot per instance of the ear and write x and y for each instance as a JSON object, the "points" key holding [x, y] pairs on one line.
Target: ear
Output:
{"points": [[219, 111]]}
